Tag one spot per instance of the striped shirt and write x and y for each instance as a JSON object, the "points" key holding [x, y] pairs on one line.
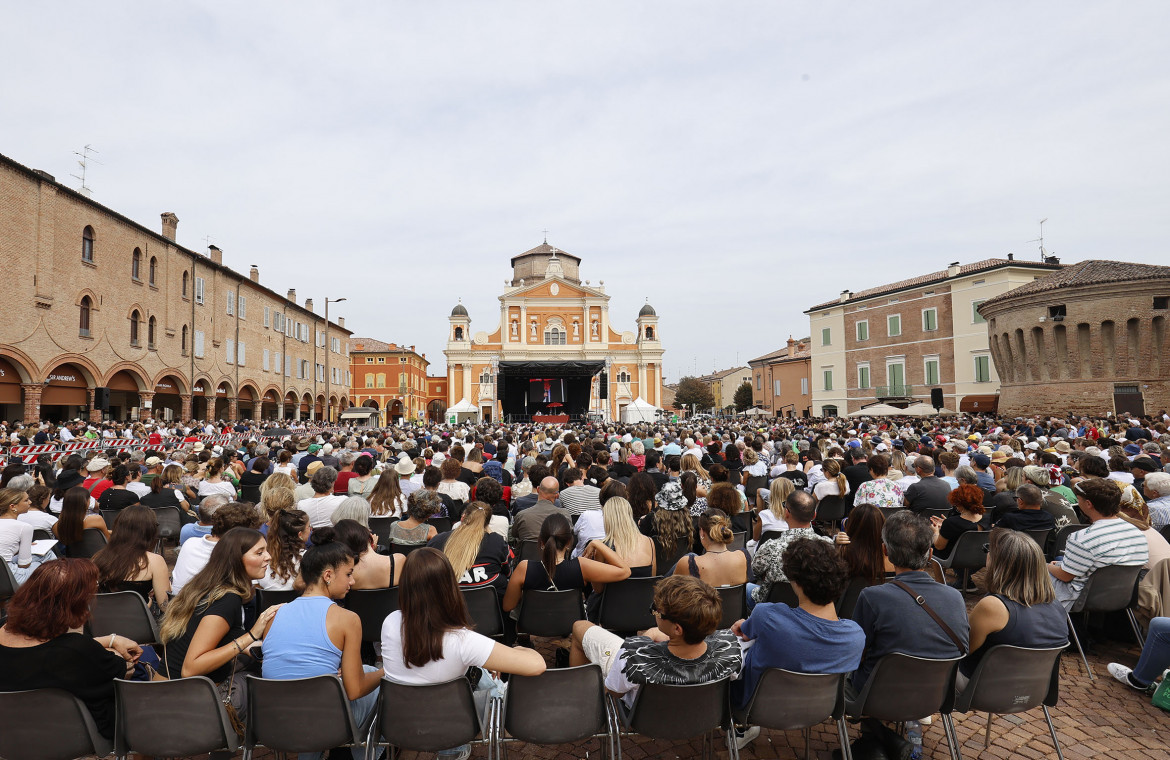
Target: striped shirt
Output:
{"points": [[1111, 541], [578, 499]]}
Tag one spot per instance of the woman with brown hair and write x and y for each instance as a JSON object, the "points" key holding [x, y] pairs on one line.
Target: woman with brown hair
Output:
{"points": [[166, 490], [386, 498], [670, 525], [288, 530], [214, 480], [834, 484], [372, 570], [640, 492], [718, 565], [363, 481], [75, 517], [451, 485], [127, 563], [861, 544], [428, 639]]}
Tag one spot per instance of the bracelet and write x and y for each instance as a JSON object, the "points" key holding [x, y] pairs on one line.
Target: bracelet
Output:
{"points": [[238, 647], [112, 637], [249, 632]]}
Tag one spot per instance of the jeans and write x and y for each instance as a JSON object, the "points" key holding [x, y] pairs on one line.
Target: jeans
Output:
{"points": [[751, 601], [363, 714], [1156, 653]]}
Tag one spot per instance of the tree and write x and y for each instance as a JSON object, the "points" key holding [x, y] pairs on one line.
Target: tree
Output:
{"points": [[693, 391], [743, 397]]}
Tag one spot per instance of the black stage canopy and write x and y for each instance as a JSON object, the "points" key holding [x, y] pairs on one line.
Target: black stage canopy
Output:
{"points": [[549, 387], [551, 369]]}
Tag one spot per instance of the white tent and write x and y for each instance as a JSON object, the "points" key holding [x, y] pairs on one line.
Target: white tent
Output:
{"points": [[922, 409], [639, 410], [462, 412], [755, 411], [877, 410]]}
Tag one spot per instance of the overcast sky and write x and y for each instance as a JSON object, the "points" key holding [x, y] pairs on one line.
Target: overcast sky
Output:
{"points": [[733, 162]]}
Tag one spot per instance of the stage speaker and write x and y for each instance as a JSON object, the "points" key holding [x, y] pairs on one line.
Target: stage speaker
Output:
{"points": [[603, 387], [101, 398], [936, 398]]}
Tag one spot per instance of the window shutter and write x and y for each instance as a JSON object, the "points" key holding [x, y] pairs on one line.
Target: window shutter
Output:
{"points": [[199, 291], [231, 302], [265, 360], [199, 343], [243, 307], [231, 351], [240, 354]]}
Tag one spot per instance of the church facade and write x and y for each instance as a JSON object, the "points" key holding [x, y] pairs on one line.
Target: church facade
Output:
{"points": [[553, 350]]}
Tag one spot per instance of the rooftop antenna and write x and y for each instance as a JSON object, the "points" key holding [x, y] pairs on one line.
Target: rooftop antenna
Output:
{"points": [[1040, 240], [545, 236], [207, 241], [84, 164]]}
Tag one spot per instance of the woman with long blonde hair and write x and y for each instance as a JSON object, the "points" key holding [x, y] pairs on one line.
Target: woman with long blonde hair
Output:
{"points": [[274, 481], [691, 463], [479, 557], [622, 535], [772, 518]]}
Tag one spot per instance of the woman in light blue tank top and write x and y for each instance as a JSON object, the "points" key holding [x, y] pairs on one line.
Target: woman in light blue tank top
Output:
{"points": [[313, 636]]}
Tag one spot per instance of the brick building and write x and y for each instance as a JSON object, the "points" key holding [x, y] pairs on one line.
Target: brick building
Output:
{"points": [[724, 383], [782, 380], [99, 305], [393, 379], [893, 343], [1090, 339]]}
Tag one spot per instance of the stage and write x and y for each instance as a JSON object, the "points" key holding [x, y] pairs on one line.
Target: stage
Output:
{"points": [[551, 419], [546, 392]]}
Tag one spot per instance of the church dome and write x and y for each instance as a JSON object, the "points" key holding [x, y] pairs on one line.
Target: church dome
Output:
{"points": [[459, 311], [647, 311]]}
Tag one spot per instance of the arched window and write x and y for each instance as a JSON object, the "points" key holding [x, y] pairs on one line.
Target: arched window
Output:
{"points": [[458, 333], [186, 282], [136, 265], [554, 336], [87, 244], [623, 376], [486, 377], [134, 319], [153, 275], [184, 340], [150, 332], [649, 332], [86, 305]]}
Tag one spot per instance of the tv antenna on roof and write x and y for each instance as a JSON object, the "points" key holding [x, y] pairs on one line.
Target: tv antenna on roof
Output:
{"points": [[84, 164], [1040, 240]]}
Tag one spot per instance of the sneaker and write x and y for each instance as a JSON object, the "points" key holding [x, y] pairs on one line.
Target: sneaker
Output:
{"points": [[746, 737], [1125, 675], [926, 721], [461, 752]]}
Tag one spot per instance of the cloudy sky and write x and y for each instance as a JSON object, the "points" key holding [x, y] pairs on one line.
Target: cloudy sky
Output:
{"points": [[734, 162]]}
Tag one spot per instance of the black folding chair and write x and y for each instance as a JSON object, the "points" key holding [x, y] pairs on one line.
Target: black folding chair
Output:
{"points": [[738, 541], [550, 613], [1061, 538], [673, 712], [380, 526], [110, 516], [788, 701], [1010, 680], [442, 524], [176, 718], [781, 591], [968, 552], [752, 487], [8, 584], [1108, 589], [266, 599], [483, 604], [24, 736], [734, 604], [92, 541], [767, 536], [428, 718], [848, 599], [298, 715], [625, 605], [1040, 537], [372, 606], [529, 550], [558, 707], [831, 510], [123, 613], [902, 688]]}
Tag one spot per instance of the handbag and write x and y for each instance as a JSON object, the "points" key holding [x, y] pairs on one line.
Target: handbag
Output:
{"points": [[227, 689], [1161, 698], [941, 623]]}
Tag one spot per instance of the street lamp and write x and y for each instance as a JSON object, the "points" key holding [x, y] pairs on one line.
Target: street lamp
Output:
{"points": [[328, 348]]}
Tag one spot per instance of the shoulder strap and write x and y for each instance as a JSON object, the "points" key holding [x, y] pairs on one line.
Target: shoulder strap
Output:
{"points": [[941, 623], [692, 565]]}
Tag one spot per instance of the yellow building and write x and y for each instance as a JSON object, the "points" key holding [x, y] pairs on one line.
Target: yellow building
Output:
{"points": [[553, 352]]}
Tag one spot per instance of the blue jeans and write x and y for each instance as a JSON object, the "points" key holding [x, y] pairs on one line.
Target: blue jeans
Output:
{"points": [[1156, 653], [751, 600], [363, 714]]}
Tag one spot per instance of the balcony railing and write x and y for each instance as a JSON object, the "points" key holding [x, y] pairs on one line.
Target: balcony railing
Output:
{"points": [[894, 391]]}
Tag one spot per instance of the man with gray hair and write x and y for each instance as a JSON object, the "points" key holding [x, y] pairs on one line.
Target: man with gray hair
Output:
{"points": [[205, 510], [1157, 488], [1029, 513], [892, 617], [929, 492]]}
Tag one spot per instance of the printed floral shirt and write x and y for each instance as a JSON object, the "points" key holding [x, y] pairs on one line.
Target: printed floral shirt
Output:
{"points": [[880, 493]]}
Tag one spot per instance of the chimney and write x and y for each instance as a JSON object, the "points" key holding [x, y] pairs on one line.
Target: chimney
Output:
{"points": [[341, 322], [791, 345], [309, 304], [215, 254], [170, 225], [845, 296], [292, 295], [254, 274], [1011, 257], [953, 269]]}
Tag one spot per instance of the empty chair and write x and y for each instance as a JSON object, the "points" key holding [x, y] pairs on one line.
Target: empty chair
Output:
{"points": [[483, 604], [788, 701], [171, 718], [123, 613], [557, 707], [550, 613], [625, 605], [298, 715], [902, 687], [92, 541], [1009, 680], [373, 606], [48, 724], [265, 599], [1108, 589], [169, 523], [426, 718], [663, 711], [781, 591], [968, 553], [734, 600]]}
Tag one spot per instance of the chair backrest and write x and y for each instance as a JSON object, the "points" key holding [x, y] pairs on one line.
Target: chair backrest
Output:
{"points": [[380, 526], [373, 606], [888, 512], [169, 522], [781, 591], [92, 541], [176, 718], [1109, 588], [625, 606], [556, 707], [664, 711], [265, 599], [768, 535], [753, 485], [483, 604], [42, 534], [427, 718], [787, 701], [442, 524], [738, 541], [109, 515], [299, 715], [25, 737], [848, 599], [831, 509], [529, 550], [1010, 679], [8, 584], [734, 604], [1040, 537], [902, 687], [1166, 532], [404, 549], [550, 613], [1061, 539], [969, 550], [123, 613], [943, 513], [935, 570]]}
